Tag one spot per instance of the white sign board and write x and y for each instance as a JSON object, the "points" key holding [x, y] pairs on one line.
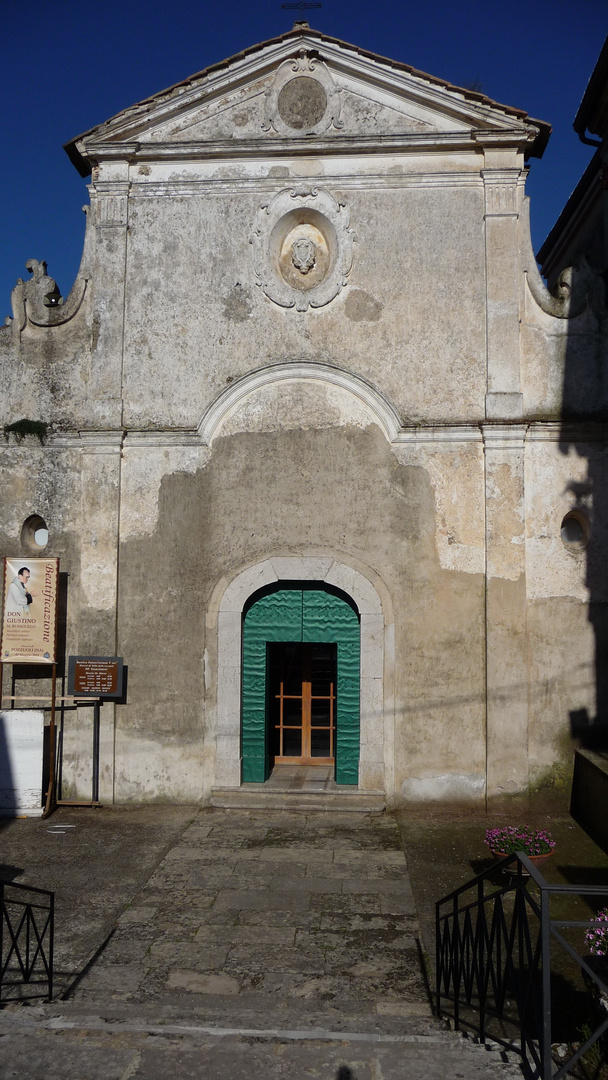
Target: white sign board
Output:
{"points": [[21, 742]]}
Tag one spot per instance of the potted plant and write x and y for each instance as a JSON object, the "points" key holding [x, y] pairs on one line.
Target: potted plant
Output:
{"points": [[597, 934], [508, 839], [596, 937]]}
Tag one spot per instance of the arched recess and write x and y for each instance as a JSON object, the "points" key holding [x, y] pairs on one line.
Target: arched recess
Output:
{"points": [[376, 673], [365, 393]]}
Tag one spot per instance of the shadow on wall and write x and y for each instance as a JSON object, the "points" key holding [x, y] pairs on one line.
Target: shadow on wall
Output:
{"points": [[584, 529], [579, 242]]}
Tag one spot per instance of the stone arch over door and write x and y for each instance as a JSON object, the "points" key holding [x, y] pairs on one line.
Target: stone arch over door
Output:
{"points": [[377, 661]]}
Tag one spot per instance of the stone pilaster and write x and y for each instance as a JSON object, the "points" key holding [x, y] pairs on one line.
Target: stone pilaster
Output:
{"points": [[506, 651], [100, 493], [109, 219], [501, 178]]}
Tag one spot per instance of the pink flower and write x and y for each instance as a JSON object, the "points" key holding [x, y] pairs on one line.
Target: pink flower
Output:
{"points": [[511, 838], [597, 935]]}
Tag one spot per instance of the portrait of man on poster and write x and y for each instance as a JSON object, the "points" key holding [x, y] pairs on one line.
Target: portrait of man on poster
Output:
{"points": [[19, 598]]}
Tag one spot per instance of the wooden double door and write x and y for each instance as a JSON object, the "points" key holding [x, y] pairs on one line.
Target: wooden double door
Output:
{"points": [[302, 702], [301, 681]]}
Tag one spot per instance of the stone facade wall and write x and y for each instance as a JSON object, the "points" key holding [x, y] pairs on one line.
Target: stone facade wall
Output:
{"points": [[412, 429]]}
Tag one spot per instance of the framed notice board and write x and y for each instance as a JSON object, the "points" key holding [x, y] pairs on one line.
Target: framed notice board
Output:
{"points": [[95, 676]]}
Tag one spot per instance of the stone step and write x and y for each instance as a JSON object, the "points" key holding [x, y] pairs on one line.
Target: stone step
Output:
{"points": [[256, 797], [113, 1047], [250, 1011]]}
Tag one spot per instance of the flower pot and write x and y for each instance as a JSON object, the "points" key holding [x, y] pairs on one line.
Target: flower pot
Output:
{"points": [[536, 860], [599, 965]]}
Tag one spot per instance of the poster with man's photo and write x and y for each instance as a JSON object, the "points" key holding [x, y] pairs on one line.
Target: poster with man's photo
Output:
{"points": [[29, 611]]}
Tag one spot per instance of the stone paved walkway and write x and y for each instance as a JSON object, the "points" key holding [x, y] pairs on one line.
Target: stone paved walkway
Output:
{"points": [[308, 919], [260, 944]]}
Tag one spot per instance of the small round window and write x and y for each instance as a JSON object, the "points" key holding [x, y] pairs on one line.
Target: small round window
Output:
{"points": [[34, 534], [574, 531]]}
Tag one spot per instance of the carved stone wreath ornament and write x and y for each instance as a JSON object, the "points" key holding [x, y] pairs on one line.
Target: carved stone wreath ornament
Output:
{"points": [[302, 248]]}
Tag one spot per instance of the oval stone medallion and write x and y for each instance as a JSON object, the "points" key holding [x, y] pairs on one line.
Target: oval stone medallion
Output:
{"points": [[302, 103]]}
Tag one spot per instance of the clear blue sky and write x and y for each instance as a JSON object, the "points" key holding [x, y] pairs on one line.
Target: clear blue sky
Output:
{"points": [[68, 66]]}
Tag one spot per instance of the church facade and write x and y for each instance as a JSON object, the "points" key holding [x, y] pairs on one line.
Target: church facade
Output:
{"points": [[317, 439]]}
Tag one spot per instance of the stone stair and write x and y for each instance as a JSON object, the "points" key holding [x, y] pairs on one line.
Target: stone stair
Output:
{"points": [[268, 944], [258, 797], [117, 1043]]}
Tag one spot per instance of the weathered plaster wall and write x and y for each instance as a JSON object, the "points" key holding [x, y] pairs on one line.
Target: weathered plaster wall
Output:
{"points": [[567, 595], [75, 489], [416, 291], [562, 680], [65, 367], [37, 480], [449, 609], [336, 491], [44, 373], [563, 364]]}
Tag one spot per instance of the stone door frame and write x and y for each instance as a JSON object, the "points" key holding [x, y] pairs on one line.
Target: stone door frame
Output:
{"points": [[376, 763]]}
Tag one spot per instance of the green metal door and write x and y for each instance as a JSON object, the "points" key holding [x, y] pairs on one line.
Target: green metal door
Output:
{"points": [[312, 614]]}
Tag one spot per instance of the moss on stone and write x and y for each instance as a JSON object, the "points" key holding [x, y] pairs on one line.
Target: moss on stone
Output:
{"points": [[23, 427]]}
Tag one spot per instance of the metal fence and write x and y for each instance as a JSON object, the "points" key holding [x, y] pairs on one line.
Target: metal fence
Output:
{"points": [[494, 951], [26, 942]]}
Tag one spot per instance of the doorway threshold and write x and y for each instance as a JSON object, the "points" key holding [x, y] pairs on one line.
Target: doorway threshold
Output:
{"points": [[300, 787]]}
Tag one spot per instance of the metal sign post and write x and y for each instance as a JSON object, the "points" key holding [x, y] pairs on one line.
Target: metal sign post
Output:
{"points": [[94, 679], [96, 726], [51, 794]]}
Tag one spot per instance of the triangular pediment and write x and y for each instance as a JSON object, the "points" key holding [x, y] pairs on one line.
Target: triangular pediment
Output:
{"points": [[302, 85]]}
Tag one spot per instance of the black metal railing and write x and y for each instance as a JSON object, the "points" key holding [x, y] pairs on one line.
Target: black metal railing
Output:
{"points": [[26, 942], [493, 959]]}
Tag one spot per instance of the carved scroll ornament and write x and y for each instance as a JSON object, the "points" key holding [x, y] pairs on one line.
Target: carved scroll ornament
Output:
{"points": [[39, 301], [576, 287]]}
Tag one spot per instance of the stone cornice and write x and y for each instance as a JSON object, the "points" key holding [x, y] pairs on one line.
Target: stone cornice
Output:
{"points": [[504, 436], [439, 433], [138, 439], [99, 441], [157, 188], [339, 145], [491, 434]]}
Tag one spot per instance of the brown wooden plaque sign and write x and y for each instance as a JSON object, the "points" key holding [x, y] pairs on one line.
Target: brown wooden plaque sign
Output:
{"points": [[95, 676]]}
